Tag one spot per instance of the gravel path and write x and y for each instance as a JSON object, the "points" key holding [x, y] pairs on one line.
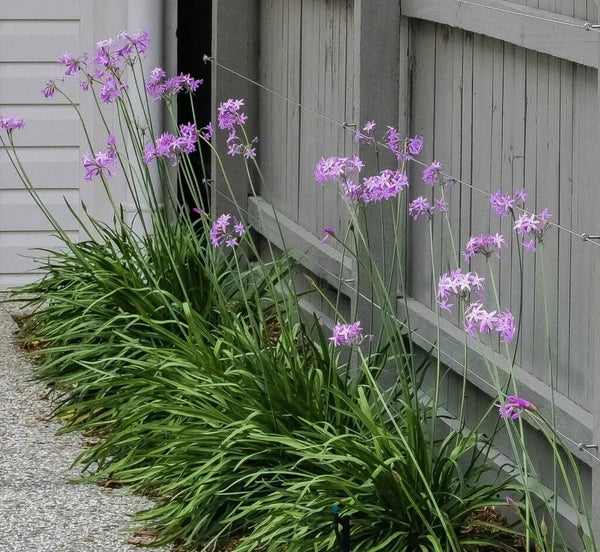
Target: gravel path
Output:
{"points": [[39, 510]]}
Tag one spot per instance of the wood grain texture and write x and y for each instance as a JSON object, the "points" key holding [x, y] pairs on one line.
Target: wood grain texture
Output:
{"points": [[526, 26]]}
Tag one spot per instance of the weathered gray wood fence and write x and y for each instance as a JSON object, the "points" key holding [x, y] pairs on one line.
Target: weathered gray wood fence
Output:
{"points": [[506, 96]]}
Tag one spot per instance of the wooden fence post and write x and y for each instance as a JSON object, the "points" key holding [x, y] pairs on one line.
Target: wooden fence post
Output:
{"points": [[235, 45], [382, 83]]}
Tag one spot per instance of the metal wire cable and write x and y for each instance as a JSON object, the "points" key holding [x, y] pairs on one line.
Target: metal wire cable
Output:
{"points": [[582, 236], [585, 26], [395, 319]]}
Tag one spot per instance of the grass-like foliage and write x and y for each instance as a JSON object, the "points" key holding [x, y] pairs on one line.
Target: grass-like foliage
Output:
{"points": [[180, 346]]}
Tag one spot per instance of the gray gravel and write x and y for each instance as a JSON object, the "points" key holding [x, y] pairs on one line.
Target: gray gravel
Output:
{"points": [[40, 511]]}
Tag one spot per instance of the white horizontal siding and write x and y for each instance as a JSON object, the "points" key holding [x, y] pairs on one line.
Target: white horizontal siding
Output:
{"points": [[33, 35], [22, 83], [27, 41], [48, 9], [47, 167]]}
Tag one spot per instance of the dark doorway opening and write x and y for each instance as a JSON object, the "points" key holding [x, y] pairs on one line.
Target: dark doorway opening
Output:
{"points": [[194, 40]]}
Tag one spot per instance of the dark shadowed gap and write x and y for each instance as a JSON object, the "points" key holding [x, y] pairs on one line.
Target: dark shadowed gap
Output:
{"points": [[194, 39]]}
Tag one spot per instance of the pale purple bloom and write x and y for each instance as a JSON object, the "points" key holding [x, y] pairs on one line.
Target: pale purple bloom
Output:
{"points": [[529, 245], [158, 86], [386, 185], [445, 304], [111, 89], [415, 145], [105, 55], [334, 168], [229, 115], [485, 245], [134, 43], [431, 173], [440, 205], [396, 145], [85, 85], [458, 283], [71, 63], [419, 207], [532, 225], [513, 407], [502, 204], [505, 326], [172, 147], [199, 212], [478, 319], [206, 132], [526, 224], [49, 89], [347, 334], [367, 133], [327, 231], [226, 230], [99, 164], [11, 123]]}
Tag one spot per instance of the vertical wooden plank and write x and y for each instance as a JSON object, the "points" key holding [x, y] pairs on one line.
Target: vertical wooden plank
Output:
{"points": [[564, 218], [422, 123], [235, 45]]}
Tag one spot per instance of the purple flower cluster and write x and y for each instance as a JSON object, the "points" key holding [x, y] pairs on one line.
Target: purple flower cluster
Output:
{"points": [[100, 164], [534, 226], [226, 230], [109, 61], [336, 168], [503, 204], [431, 173], [513, 407], [366, 134], [485, 245], [478, 319], [229, 118], [161, 87], [381, 187], [422, 207], [172, 147], [11, 123], [347, 334], [458, 284]]}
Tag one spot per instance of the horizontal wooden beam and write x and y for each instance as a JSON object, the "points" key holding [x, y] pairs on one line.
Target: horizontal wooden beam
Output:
{"points": [[321, 259], [550, 33]]}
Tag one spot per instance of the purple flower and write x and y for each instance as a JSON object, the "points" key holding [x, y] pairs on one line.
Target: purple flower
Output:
{"points": [[11, 123], [111, 89], [99, 164], [226, 230], [49, 89], [397, 146], [347, 334], [206, 132], [386, 185], [529, 245], [172, 147], [458, 284], [485, 245], [158, 86], [134, 43], [229, 115], [415, 145], [334, 168], [327, 231], [505, 326], [502, 204], [431, 173], [513, 407], [71, 63], [419, 207], [85, 85], [367, 133], [106, 56]]}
